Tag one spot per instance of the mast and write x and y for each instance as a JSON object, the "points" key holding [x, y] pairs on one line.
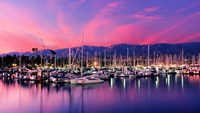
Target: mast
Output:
{"points": [[133, 58], [182, 57], [199, 59], [127, 60], [87, 59], [104, 58], [114, 60], [41, 58], [2, 61], [20, 60], [110, 61], [154, 57], [82, 54], [55, 63], [99, 59], [95, 57], [46, 62], [148, 56], [167, 60], [69, 62], [193, 60]]}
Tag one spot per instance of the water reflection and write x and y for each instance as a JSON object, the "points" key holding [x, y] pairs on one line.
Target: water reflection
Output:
{"points": [[124, 81], [138, 84], [182, 82], [111, 83], [168, 81], [157, 82], [167, 93]]}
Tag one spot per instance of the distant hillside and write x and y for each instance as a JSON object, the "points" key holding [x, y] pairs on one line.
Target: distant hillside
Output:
{"points": [[121, 49]]}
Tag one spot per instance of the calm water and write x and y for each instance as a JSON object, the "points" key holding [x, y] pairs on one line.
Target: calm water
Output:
{"points": [[166, 94]]}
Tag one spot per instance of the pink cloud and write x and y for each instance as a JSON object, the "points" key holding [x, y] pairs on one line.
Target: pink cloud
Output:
{"points": [[195, 4], [191, 38], [128, 33], [77, 4], [143, 16], [163, 35], [23, 25], [151, 9], [101, 20], [51, 3], [107, 25]]}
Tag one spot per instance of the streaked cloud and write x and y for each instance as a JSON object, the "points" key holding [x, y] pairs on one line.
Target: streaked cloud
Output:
{"points": [[60, 22], [143, 16], [151, 9]]}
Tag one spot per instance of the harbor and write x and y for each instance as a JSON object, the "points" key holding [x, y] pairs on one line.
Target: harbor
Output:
{"points": [[96, 68], [98, 84], [113, 86], [174, 93], [99, 56]]}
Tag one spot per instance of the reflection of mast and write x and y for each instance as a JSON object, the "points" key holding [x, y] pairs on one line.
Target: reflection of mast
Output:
{"points": [[20, 97], [41, 101], [82, 101], [70, 100]]}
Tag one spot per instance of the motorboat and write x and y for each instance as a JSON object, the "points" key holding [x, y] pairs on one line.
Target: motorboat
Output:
{"points": [[91, 80]]}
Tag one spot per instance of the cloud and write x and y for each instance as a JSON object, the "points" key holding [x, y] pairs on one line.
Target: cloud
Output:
{"points": [[146, 14], [77, 4], [23, 26], [191, 38], [151, 9], [143, 16], [72, 5], [105, 23], [101, 20], [188, 7], [164, 34], [126, 33]]}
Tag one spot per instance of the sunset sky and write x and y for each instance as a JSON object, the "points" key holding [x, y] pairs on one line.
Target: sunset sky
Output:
{"points": [[105, 22]]}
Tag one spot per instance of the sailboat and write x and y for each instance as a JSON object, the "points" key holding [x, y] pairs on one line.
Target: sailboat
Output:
{"points": [[148, 71], [85, 80]]}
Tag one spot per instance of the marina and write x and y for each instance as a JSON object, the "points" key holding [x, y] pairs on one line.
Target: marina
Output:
{"points": [[99, 56], [174, 93], [101, 85]]}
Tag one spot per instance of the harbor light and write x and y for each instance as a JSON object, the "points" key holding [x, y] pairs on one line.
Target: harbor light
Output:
{"points": [[95, 64], [14, 65]]}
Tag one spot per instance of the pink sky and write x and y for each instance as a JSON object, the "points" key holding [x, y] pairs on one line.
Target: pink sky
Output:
{"points": [[60, 22]]}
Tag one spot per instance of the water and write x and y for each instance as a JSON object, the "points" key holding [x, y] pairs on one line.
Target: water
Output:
{"points": [[164, 94]]}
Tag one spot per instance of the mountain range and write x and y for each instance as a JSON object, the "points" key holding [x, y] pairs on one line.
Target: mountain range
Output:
{"points": [[189, 50]]}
